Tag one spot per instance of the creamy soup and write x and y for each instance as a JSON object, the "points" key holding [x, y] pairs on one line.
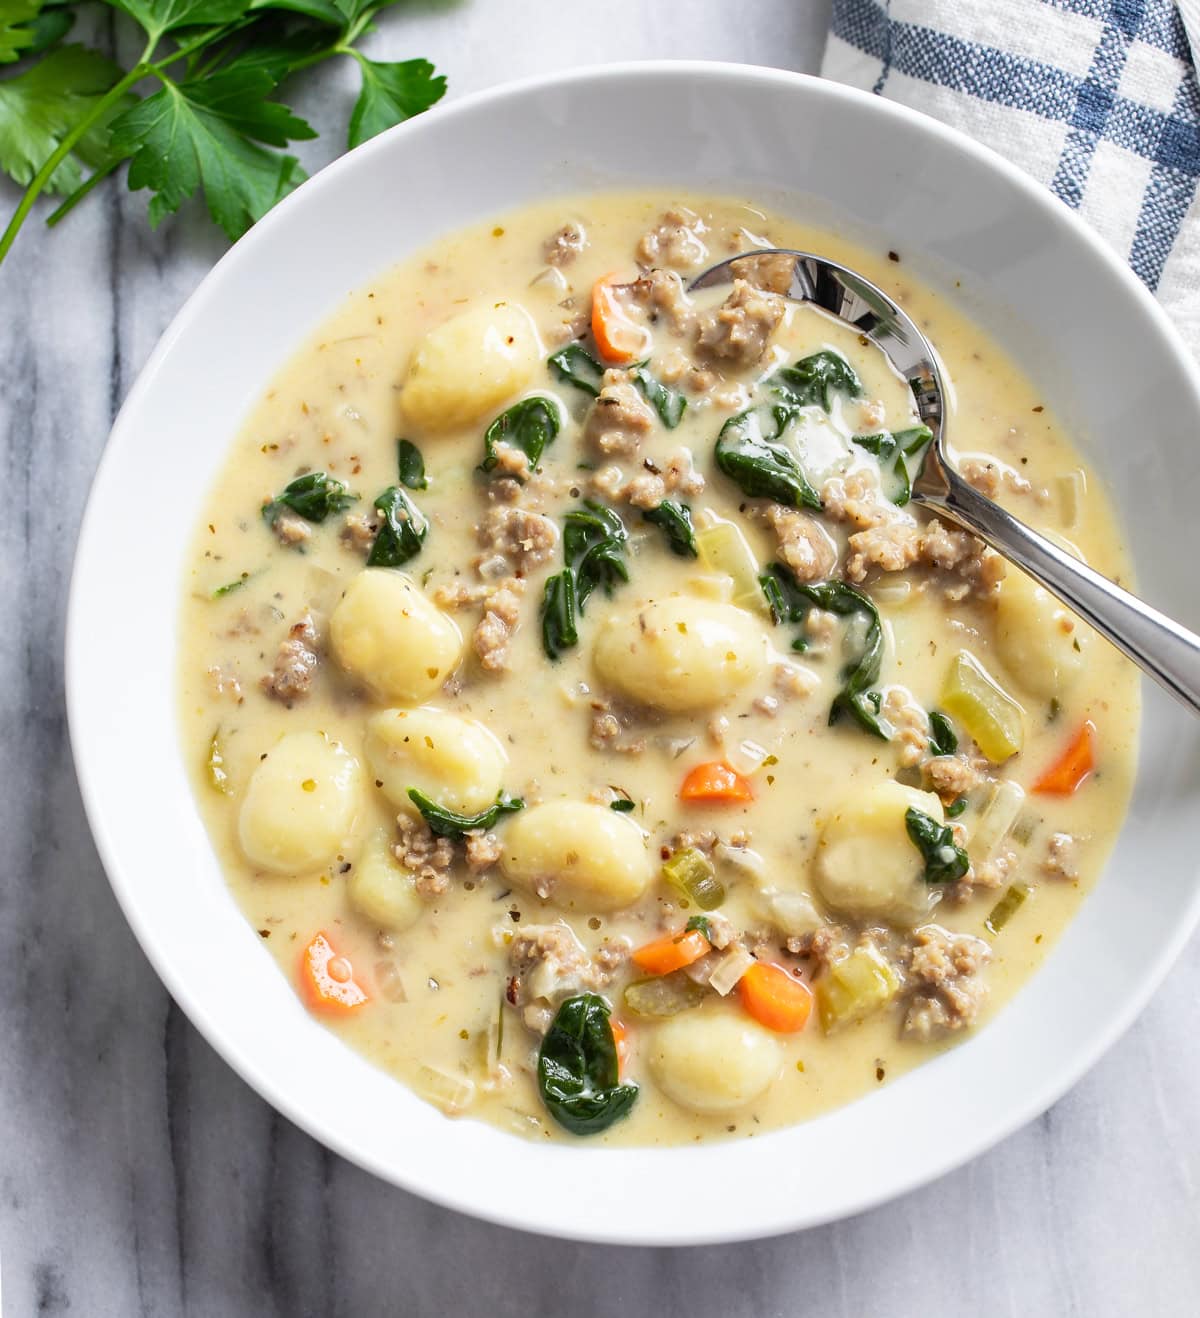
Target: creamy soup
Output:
{"points": [[589, 726]]}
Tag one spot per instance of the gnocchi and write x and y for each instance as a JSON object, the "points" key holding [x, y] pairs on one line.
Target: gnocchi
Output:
{"points": [[866, 866], [455, 761], [469, 365], [397, 643], [578, 854], [681, 654], [713, 1061], [300, 804], [381, 889], [1041, 642]]}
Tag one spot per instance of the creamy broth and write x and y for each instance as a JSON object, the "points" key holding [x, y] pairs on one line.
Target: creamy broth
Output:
{"points": [[591, 726]]}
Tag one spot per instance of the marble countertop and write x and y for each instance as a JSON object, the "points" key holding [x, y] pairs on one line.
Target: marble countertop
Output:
{"points": [[140, 1176]]}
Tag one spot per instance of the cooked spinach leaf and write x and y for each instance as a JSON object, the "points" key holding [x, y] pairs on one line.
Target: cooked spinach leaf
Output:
{"points": [[401, 532], [575, 365], [313, 496], [446, 823], [670, 404], [956, 808], [814, 379], [593, 544], [899, 455], [699, 922], [943, 740], [622, 805], [578, 1072], [560, 622], [676, 522], [945, 860], [758, 463], [528, 425], [790, 601], [411, 465]]}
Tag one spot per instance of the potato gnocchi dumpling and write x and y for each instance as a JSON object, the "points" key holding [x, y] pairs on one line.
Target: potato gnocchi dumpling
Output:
{"points": [[713, 1061], [469, 365], [381, 888], [300, 804], [680, 654], [1042, 643], [397, 643], [866, 866], [585, 854], [455, 761]]}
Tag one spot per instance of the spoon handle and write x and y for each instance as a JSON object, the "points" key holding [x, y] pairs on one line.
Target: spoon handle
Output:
{"points": [[1157, 644]]}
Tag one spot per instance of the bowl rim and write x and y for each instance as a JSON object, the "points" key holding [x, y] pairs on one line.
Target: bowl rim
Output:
{"points": [[445, 1192]]}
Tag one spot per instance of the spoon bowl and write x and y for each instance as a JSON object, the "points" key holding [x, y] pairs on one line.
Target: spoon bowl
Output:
{"points": [[1165, 650]]}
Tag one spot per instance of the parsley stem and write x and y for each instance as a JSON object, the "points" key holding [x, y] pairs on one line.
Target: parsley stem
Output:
{"points": [[60, 153], [97, 176]]}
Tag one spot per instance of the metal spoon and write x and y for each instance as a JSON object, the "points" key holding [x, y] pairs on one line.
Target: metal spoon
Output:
{"points": [[1160, 646]]}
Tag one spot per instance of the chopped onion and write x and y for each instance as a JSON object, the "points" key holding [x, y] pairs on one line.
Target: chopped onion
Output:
{"points": [[731, 967], [388, 978], [741, 858], [895, 592], [995, 821], [451, 1093], [747, 757], [551, 280]]}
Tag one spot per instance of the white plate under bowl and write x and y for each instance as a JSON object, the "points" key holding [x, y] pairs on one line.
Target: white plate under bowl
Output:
{"points": [[1080, 323]]}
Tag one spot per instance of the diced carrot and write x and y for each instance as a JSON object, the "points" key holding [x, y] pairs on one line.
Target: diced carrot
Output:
{"points": [[1072, 767], [774, 998], [619, 339], [621, 1039], [714, 783], [328, 979], [672, 952]]}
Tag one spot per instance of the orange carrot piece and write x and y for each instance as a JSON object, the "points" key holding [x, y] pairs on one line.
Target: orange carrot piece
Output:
{"points": [[621, 1039], [672, 952], [774, 998], [715, 783], [619, 339], [1075, 764], [328, 979]]}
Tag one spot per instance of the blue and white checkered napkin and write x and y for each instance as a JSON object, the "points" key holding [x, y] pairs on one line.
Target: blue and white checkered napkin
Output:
{"points": [[1097, 99]]}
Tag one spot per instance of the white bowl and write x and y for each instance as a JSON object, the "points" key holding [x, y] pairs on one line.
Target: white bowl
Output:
{"points": [[1071, 313]]}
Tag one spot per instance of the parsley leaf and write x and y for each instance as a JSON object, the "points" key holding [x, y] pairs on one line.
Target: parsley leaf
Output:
{"points": [[40, 105], [15, 36], [390, 94], [205, 134], [160, 16]]}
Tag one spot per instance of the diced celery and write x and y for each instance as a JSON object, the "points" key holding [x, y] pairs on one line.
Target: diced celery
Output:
{"points": [[723, 548], [693, 874], [855, 987], [1006, 908], [218, 775], [986, 711], [1071, 490], [664, 995]]}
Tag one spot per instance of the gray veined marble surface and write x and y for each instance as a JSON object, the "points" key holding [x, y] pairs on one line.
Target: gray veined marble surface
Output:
{"points": [[140, 1176]]}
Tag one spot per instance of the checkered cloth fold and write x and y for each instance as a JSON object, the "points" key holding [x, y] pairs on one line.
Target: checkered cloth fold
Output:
{"points": [[1097, 99]]}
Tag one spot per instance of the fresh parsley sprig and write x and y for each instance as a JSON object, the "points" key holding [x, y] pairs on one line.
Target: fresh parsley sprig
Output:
{"points": [[196, 113]]}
